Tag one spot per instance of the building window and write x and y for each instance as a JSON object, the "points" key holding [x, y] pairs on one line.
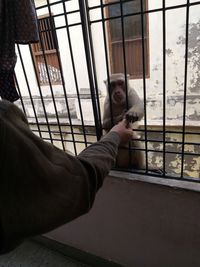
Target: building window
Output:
{"points": [[46, 51], [132, 38]]}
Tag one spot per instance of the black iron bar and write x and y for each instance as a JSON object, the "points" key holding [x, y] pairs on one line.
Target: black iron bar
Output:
{"points": [[40, 92], [144, 84], [94, 71], [52, 4], [185, 84], [52, 42], [124, 51], [75, 75], [90, 70], [170, 131], [62, 77], [107, 60], [67, 141], [20, 96], [64, 132], [64, 26], [125, 68], [29, 89], [164, 81], [51, 88], [144, 12]]}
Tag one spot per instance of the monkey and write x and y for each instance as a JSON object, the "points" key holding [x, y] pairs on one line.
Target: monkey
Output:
{"points": [[132, 110]]}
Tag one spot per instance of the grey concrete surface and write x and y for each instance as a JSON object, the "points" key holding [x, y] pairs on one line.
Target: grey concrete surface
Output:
{"points": [[31, 254]]}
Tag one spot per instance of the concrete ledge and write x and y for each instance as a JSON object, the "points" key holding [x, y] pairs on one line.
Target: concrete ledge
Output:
{"points": [[194, 186]]}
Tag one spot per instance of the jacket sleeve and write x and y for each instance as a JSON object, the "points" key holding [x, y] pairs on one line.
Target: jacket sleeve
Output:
{"points": [[43, 187], [100, 157]]}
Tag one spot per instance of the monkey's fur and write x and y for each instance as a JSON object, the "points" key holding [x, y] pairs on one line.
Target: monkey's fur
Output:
{"points": [[133, 114]]}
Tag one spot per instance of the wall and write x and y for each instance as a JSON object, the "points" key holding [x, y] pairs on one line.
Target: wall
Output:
{"points": [[175, 63], [173, 146], [138, 224]]}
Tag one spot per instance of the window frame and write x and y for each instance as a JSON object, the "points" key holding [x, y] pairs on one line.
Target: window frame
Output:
{"points": [[147, 66], [44, 53]]}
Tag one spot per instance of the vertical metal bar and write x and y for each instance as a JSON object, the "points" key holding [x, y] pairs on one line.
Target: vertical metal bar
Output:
{"points": [[29, 90], [144, 83], [164, 84], [84, 20], [19, 92], [62, 78], [74, 72], [43, 34], [106, 58], [94, 69], [48, 32], [125, 70], [185, 84], [41, 97], [124, 52], [51, 89]]}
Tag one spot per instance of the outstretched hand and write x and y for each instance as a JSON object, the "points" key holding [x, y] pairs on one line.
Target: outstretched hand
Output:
{"points": [[124, 131]]}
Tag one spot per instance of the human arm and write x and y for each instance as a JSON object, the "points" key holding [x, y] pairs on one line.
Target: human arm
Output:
{"points": [[101, 155], [43, 187]]}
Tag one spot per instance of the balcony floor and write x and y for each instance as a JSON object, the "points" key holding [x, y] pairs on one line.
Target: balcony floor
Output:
{"points": [[31, 254]]}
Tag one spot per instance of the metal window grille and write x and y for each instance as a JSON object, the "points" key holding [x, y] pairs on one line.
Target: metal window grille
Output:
{"points": [[68, 113]]}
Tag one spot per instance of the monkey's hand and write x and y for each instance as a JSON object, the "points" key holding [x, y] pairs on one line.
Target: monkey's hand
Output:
{"points": [[131, 116]]}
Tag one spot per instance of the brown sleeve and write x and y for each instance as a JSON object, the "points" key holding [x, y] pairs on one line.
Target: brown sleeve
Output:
{"points": [[42, 187], [100, 157]]}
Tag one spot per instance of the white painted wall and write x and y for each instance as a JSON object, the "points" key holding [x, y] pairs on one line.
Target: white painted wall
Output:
{"points": [[175, 27]]}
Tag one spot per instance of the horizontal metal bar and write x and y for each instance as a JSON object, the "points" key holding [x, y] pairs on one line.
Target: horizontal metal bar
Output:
{"points": [[145, 11]]}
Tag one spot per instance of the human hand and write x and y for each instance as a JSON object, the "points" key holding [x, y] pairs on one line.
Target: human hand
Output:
{"points": [[124, 131]]}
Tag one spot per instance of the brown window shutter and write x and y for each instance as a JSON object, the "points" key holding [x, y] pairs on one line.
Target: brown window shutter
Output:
{"points": [[133, 41], [46, 52]]}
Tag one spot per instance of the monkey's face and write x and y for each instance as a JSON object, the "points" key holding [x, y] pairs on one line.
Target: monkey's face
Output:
{"points": [[117, 89]]}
